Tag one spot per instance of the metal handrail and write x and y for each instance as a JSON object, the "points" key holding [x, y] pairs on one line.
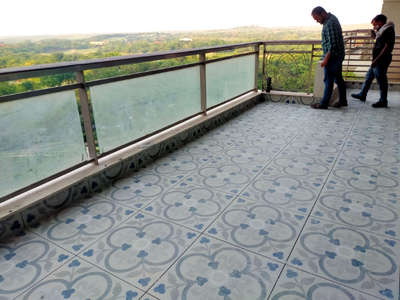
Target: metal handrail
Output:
{"points": [[8, 74]]}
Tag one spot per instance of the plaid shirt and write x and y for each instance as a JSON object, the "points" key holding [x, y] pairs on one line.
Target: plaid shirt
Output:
{"points": [[332, 37]]}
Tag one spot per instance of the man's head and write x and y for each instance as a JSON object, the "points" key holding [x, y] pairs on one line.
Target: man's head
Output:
{"points": [[319, 14], [378, 21]]}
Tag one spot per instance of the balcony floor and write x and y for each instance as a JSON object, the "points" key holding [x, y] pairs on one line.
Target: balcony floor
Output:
{"points": [[283, 202]]}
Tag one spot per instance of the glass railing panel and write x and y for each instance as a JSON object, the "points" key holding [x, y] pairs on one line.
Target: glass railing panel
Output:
{"points": [[229, 78], [127, 110], [39, 137]]}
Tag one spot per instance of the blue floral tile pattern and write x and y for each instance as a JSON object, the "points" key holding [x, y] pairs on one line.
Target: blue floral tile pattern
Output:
{"points": [[204, 149], [224, 176], [140, 249], [352, 258], [51, 205], [259, 227], [174, 164], [192, 206], [215, 270], [367, 179], [139, 190], [11, 226], [301, 166], [295, 284], [281, 190], [359, 155], [314, 148], [77, 226], [360, 210], [250, 156], [24, 261], [81, 280]]}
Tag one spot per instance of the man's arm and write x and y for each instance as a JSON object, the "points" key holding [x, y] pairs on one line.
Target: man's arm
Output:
{"points": [[379, 55], [326, 59]]}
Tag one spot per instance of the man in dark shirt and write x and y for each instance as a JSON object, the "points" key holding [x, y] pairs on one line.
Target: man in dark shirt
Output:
{"points": [[333, 48], [381, 59]]}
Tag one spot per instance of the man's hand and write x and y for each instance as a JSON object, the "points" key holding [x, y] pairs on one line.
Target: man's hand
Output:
{"points": [[324, 62], [373, 64], [326, 59]]}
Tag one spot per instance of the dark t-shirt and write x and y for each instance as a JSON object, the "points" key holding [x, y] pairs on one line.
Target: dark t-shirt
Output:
{"points": [[387, 37]]}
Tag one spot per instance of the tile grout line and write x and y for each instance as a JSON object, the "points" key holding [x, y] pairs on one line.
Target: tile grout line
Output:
{"points": [[250, 182], [326, 179], [202, 233], [330, 280], [355, 120]]}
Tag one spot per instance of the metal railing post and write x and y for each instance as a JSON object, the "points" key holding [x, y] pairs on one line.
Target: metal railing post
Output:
{"points": [[257, 50], [203, 86], [349, 54], [311, 61], [87, 123], [264, 66]]}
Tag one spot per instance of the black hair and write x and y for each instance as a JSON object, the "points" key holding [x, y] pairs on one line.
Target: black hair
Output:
{"points": [[319, 10], [380, 18]]}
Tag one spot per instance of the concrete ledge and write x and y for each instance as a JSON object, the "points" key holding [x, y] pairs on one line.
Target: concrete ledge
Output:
{"points": [[290, 97]]}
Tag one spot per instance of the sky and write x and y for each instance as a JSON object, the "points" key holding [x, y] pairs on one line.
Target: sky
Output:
{"points": [[53, 17]]}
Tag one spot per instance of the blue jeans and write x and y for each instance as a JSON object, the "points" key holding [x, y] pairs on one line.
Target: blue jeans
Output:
{"points": [[333, 73], [379, 72]]}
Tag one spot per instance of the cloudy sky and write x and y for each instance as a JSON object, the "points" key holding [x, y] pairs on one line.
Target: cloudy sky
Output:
{"points": [[42, 17]]}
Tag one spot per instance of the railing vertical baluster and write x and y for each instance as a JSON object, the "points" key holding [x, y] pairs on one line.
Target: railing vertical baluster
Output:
{"points": [[349, 54], [264, 66], [203, 87], [311, 61], [257, 49], [87, 123]]}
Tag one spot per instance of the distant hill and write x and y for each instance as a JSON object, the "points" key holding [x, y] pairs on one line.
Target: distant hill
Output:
{"points": [[251, 30]]}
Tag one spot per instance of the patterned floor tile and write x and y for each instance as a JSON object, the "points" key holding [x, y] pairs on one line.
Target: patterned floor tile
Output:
{"points": [[204, 149], [283, 191], [214, 270], [140, 250], [302, 166], [140, 189], [80, 280], [322, 149], [365, 178], [259, 227], [360, 210], [77, 226], [297, 285], [25, 260], [192, 206], [224, 176], [353, 258], [356, 154]]}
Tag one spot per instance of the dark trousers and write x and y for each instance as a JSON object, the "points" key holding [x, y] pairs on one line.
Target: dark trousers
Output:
{"points": [[333, 73], [380, 73]]}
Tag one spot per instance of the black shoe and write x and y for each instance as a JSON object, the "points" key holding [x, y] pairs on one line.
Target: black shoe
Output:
{"points": [[337, 105], [343, 103], [359, 97], [380, 104], [318, 106]]}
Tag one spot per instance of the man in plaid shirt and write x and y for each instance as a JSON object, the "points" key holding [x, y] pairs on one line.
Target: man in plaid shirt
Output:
{"points": [[333, 48]]}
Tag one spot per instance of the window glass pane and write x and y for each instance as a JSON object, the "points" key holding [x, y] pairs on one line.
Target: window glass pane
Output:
{"points": [[39, 136], [129, 109], [229, 78]]}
